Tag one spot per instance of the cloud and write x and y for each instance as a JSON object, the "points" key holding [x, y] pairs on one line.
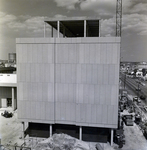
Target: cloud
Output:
{"points": [[139, 8], [69, 4], [5, 18], [34, 23], [21, 22], [136, 23], [59, 16], [134, 6], [24, 25], [102, 8], [108, 27]]}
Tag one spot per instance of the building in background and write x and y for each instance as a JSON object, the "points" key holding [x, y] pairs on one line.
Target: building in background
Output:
{"points": [[71, 79], [8, 83]]}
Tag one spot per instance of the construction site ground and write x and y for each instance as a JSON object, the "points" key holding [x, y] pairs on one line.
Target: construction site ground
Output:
{"points": [[11, 134]]}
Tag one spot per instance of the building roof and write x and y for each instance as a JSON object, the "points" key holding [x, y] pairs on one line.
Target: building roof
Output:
{"points": [[74, 27]]}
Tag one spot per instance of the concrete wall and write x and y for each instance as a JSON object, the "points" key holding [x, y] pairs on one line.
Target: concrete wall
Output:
{"points": [[8, 78], [69, 80], [6, 92]]}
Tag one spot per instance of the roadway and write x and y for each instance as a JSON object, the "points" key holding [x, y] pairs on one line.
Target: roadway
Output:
{"points": [[134, 84]]}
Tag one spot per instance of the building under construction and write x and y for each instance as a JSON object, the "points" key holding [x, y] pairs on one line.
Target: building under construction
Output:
{"points": [[70, 78]]}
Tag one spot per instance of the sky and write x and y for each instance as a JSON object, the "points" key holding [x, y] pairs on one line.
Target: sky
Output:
{"points": [[25, 18]]}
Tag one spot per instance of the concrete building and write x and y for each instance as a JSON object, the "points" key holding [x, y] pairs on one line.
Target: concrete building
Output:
{"points": [[8, 91], [69, 80]]}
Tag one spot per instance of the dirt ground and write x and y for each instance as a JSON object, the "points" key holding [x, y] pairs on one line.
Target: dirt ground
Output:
{"points": [[11, 134]]}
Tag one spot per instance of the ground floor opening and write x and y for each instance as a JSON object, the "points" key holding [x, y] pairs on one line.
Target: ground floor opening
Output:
{"points": [[92, 134]]}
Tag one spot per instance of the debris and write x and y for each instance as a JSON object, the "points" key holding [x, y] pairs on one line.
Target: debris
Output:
{"points": [[99, 147], [7, 114], [62, 142]]}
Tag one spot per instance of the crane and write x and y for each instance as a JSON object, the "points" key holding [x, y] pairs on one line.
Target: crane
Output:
{"points": [[118, 17]]}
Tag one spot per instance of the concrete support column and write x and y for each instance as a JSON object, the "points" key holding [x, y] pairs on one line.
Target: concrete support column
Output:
{"points": [[13, 105], [0, 140], [44, 29], [58, 27], [63, 31], [111, 137], [99, 28], [23, 129], [84, 28], [80, 133], [52, 32], [50, 130]]}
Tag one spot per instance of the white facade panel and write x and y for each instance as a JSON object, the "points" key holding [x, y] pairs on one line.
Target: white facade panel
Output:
{"points": [[40, 54], [98, 54], [86, 54], [30, 52], [81, 53], [34, 53], [69, 81], [92, 55], [8, 78]]}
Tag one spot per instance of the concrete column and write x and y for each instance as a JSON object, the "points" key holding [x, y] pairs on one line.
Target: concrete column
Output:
{"points": [[80, 135], [23, 129], [44, 29], [84, 28], [13, 105], [58, 27], [50, 130], [52, 32], [111, 137], [99, 28], [0, 140], [63, 31]]}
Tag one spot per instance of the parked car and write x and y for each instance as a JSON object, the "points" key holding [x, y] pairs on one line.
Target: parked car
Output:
{"points": [[143, 97], [145, 108], [128, 120], [137, 99]]}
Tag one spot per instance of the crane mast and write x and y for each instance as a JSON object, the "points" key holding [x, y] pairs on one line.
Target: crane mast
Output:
{"points": [[118, 17]]}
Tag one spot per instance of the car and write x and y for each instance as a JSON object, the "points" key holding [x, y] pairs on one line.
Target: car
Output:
{"points": [[143, 97], [138, 89], [137, 99], [128, 120], [145, 108]]}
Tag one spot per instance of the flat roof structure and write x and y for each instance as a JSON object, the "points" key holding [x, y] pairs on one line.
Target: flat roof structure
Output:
{"points": [[76, 27]]}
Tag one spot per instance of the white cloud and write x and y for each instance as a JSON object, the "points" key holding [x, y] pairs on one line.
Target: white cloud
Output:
{"points": [[21, 24], [69, 4], [136, 23], [6, 18], [59, 16], [108, 27], [101, 7], [139, 8], [34, 23]]}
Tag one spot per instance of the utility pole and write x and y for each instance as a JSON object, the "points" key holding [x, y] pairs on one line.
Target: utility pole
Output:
{"points": [[118, 17]]}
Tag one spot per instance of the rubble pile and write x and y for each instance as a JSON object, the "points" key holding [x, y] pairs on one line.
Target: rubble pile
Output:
{"points": [[62, 142]]}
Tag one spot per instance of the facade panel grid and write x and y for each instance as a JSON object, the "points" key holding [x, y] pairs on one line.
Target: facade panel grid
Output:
{"points": [[68, 81]]}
